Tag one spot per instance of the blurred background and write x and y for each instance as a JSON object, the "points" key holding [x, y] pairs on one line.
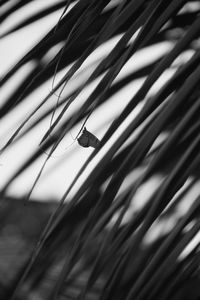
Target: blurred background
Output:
{"points": [[69, 157]]}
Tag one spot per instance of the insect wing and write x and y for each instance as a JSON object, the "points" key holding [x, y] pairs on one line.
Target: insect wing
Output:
{"points": [[93, 140], [87, 139], [83, 140]]}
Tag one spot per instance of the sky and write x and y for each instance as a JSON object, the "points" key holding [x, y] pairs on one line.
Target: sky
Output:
{"points": [[69, 157]]}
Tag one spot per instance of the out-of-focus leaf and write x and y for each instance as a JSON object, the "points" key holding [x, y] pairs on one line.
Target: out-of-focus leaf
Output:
{"points": [[32, 19]]}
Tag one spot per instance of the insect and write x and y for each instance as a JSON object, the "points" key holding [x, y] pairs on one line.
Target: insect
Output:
{"points": [[87, 139]]}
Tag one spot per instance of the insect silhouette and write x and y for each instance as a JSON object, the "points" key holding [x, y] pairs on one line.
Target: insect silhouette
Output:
{"points": [[87, 139]]}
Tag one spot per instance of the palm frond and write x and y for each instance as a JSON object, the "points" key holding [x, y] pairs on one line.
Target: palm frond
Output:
{"points": [[109, 237]]}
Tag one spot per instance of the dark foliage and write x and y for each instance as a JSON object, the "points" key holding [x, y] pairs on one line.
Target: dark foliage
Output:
{"points": [[113, 238]]}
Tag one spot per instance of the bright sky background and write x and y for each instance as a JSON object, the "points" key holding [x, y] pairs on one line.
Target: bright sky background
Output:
{"points": [[69, 157]]}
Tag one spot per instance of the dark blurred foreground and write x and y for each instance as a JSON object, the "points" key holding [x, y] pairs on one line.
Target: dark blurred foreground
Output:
{"points": [[21, 226]]}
